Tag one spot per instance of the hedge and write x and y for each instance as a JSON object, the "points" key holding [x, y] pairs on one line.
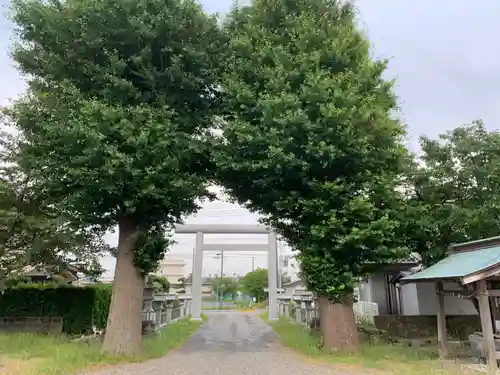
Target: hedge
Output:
{"points": [[80, 307]]}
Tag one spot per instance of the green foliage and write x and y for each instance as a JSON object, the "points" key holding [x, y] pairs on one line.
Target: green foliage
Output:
{"points": [[80, 307], [453, 191], [253, 283], [150, 247], [182, 282], [309, 139], [160, 283], [102, 300], [225, 287], [121, 97], [35, 233]]}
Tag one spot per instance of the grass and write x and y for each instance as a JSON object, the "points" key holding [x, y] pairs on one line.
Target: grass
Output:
{"points": [[387, 359], [30, 354]]}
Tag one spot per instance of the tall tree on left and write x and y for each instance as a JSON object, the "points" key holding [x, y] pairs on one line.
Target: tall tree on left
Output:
{"points": [[116, 124]]}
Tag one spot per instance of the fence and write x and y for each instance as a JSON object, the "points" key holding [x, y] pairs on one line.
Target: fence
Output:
{"points": [[176, 313], [156, 316], [308, 314]]}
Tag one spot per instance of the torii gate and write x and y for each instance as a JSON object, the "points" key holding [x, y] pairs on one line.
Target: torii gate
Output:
{"points": [[270, 248]]}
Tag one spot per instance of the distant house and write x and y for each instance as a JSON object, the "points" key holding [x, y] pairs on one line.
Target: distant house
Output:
{"points": [[47, 274]]}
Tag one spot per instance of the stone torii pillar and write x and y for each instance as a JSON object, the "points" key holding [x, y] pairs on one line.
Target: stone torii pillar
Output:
{"points": [[270, 248]]}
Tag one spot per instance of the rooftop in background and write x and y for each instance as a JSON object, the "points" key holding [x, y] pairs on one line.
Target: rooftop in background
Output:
{"points": [[475, 245], [172, 260], [468, 262]]}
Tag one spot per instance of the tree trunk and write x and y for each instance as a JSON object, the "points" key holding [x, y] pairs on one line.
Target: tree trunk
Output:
{"points": [[338, 325], [124, 327]]}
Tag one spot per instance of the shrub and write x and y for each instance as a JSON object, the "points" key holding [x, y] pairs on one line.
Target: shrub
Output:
{"points": [[101, 304], [80, 307], [160, 283]]}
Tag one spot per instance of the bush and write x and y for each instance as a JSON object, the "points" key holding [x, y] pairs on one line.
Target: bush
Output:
{"points": [[101, 304], [261, 304], [160, 283], [80, 307], [241, 303]]}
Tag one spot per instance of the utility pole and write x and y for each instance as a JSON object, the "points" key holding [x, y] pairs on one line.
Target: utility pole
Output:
{"points": [[253, 264], [221, 276]]}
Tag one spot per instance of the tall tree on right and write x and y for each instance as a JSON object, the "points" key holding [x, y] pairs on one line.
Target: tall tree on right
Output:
{"points": [[454, 191], [310, 142]]}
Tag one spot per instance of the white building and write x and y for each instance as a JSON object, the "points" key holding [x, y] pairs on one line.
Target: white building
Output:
{"points": [[289, 265], [172, 269]]}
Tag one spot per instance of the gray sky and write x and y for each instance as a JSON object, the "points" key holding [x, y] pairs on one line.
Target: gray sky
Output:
{"points": [[442, 55]]}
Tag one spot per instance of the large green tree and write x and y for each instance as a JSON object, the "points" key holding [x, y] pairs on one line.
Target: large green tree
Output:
{"points": [[254, 283], [121, 98], [311, 142], [453, 191]]}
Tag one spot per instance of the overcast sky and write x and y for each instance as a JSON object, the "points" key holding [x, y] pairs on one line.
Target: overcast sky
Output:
{"points": [[443, 55]]}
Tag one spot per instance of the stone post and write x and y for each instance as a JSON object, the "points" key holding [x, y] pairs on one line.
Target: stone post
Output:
{"points": [[309, 315], [169, 314], [287, 310], [298, 314], [158, 313]]}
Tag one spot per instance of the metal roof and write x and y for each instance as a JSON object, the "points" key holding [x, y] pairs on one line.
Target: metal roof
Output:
{"points": [[458, 265], [476, 242]]}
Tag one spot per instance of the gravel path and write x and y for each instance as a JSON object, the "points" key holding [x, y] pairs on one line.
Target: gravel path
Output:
{"points": [[229, 343]]}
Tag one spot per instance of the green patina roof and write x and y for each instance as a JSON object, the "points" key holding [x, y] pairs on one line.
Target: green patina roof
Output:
{"points": [[459, 265]]}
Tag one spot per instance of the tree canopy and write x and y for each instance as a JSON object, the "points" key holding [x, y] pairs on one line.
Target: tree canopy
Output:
{"points": [[253, 283], [225, 286], [310, 140], [121, 98], [454, 191], [34, 233]]}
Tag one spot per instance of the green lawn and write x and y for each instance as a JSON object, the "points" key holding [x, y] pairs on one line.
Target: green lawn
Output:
{"points": [[29, 354], [388, 359]]}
